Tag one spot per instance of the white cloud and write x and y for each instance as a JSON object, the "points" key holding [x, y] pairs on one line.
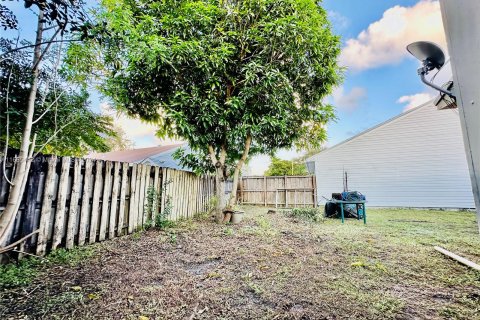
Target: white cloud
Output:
{"points": [[384, 41], [415, 100], [348, 101]]}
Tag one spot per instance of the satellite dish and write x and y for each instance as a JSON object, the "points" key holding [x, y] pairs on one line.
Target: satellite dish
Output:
{"points": [[427, 52], [432, 57]]}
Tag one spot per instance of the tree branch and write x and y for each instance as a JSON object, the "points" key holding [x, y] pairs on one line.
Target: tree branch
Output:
{"points": [[41, 43], [16, 243], [49, 107], [248, 142], [53, 136]]}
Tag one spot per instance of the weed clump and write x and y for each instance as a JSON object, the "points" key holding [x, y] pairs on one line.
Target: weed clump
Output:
{"points": [[23, 272], [309, 214]]}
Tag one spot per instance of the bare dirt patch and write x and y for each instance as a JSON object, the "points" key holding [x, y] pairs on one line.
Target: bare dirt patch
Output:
{"points": [[268, 267]]}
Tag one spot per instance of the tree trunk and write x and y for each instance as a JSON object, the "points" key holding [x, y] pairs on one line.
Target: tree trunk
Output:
{"points": [[236, 173], [26, 150], [220, 195], [220, 178]]}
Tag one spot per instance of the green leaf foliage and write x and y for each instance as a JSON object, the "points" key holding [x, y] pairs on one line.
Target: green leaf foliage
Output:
{"points": [[279, 167], [215, 72]]}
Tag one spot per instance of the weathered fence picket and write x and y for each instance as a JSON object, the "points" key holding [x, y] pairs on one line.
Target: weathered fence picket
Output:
{"points": [[46, 210], [123, 197], [71, 201], [114, 203], [85, 212], [59, 225], [72, 215]]}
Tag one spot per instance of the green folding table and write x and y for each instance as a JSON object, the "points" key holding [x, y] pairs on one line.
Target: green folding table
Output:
{"points": [[358, 204]]}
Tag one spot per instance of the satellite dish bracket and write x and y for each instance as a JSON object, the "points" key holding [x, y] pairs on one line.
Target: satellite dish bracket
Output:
{"points": [[423, 71]]}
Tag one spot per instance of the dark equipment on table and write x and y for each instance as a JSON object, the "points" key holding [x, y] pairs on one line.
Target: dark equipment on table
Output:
{"points": [[332, 209], [348, 204]]}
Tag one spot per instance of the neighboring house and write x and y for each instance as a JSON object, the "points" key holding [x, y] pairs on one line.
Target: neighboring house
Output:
{"points": [[416, 159], [159, 156]]}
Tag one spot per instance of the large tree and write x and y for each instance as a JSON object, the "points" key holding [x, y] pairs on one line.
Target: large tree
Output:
{"points": [[232, 77]]}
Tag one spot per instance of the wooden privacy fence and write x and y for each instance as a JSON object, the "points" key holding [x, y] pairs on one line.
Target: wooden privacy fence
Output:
{"points": [[72, 201], [279, 191]]}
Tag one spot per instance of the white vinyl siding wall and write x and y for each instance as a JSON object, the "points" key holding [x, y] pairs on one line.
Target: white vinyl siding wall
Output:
{"points": [[414, 160]]}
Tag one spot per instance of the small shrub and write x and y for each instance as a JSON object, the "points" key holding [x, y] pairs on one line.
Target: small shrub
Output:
{"points": [[310, 214], [161, 219], [153, 200]]}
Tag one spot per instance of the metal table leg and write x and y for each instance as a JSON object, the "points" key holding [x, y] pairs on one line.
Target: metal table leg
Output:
{"points": [[364, 214], [341, 210]]}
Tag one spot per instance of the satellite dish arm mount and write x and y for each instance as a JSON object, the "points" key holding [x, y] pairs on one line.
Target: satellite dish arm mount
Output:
{"points": [[423, 71]]}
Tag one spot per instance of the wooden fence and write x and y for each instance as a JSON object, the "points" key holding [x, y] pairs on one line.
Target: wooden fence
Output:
{"points": [[283, 191], [71, 201]]}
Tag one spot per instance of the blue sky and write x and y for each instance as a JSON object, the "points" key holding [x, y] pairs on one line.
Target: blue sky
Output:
{"points": [[380, 81], [382, 85]]}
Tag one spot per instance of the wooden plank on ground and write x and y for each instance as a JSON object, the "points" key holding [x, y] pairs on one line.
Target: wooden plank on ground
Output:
{"points": [[73, 210], [46, 210], [97, 191], [60, 213], [123, 196], [114, 202], [133, 199]]}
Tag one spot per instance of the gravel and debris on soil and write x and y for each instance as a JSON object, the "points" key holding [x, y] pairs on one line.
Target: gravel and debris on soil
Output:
{"points": [[270, 266]]}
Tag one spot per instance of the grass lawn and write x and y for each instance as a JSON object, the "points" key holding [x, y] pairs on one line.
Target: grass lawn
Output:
{"points": [[268, 267]]}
